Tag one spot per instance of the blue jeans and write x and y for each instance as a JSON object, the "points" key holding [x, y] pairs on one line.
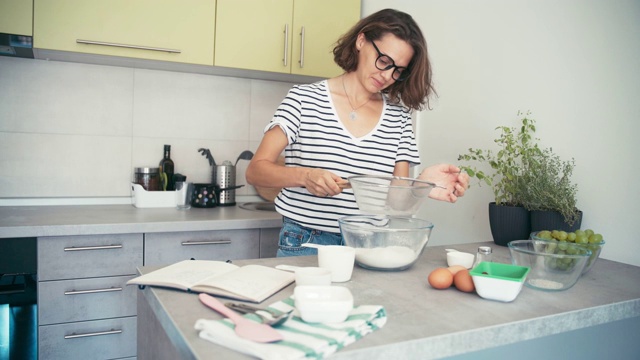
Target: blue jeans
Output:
{"points": [[293, 235]]}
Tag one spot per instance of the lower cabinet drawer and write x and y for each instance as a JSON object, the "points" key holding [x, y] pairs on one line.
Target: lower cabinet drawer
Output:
{"points": [[168, 248], [100, 339], [85, 299], [85, 256]]}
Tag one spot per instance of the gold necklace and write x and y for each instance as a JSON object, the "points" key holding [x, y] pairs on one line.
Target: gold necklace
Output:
{"points": [[352, 115]]}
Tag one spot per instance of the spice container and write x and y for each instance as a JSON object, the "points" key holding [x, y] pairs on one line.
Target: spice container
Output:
{"points": [[148, 178], [484, 254]]}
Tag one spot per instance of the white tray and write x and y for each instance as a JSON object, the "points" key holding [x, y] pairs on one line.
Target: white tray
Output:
{"points": [[142, 198]]}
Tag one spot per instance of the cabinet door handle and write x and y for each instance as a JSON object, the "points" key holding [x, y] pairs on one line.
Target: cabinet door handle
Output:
{"points": [[138, 47], [301, 47], [98, 247], [285, 60], [99, 333], [94, 291], [206, 242]]}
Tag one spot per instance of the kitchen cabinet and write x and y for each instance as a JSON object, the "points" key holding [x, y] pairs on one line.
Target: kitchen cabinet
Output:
{"points": [[168, 30], [168, 248], [285, 36], [16, 17], [84, 305]]}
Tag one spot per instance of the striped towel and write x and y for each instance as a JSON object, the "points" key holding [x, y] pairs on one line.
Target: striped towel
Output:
{"points": [[301, 340]]}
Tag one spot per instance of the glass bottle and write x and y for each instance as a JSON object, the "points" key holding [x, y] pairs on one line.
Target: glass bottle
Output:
{"points": [[166, 170], [483, 254]]}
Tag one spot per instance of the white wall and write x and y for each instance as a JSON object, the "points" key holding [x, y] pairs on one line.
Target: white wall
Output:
{"points": [[573, 63], [71, 130]]}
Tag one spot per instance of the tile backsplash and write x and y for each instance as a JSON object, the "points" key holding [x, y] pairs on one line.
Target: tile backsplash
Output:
{"points": [[77, 130]]}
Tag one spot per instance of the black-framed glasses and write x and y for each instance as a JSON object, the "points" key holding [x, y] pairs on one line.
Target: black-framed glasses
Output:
{"points": [[385, 62]]}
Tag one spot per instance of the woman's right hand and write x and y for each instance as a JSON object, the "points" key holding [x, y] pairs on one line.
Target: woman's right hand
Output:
{"points": [[324, 183]]}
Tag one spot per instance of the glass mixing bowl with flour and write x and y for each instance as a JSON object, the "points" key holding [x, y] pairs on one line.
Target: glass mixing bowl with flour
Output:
{"points": [[383, 242]]}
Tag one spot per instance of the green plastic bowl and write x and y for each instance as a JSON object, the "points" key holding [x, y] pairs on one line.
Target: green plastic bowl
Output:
{"points": [[496, 281]]}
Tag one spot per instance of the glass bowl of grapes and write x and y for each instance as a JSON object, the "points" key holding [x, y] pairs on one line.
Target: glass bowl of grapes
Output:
{"points": [[586, 238], [555, 265]]}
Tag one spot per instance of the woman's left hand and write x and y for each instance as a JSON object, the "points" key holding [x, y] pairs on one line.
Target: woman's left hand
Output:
{"points": [[449, 176]]}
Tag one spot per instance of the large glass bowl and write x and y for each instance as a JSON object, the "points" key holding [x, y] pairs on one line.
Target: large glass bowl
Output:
{"points": [[388, 243], [554, 266], [389, 195], [596, 249]]}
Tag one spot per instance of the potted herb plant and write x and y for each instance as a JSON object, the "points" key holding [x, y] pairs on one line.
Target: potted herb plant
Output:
{"points": [[525, 180], [549, 194]]}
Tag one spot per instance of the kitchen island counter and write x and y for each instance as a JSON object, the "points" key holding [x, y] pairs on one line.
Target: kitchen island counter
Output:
{"points": [[427, 323], [69, 220]]}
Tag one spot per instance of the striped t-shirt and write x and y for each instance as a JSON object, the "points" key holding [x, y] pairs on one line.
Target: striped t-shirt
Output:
{"points": [[317, 139]]}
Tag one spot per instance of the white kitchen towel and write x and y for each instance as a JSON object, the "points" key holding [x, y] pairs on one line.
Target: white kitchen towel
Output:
{"points": [[301, 340]]}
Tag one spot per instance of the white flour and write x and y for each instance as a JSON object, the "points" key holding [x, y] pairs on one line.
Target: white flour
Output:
{"points": [[386, 257], [546, 284]]}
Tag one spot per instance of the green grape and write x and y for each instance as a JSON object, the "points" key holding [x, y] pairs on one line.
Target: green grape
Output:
{"points": [[582, 239], [595, 239], [579, 232], [572, 250], [571, 237], [562, 245], [562, 235], [555, 234], [588, 232], [544, 234]]}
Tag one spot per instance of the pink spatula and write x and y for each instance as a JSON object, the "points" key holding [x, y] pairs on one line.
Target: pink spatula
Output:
{"points": [[245, 328]]}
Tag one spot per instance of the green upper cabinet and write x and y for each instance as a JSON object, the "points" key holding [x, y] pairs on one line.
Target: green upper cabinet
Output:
{"points": [[317, 26], [285, 36], [16, 17], [169, 30]]}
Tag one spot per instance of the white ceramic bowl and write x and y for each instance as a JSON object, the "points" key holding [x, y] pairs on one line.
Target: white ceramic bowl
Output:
{"points": [[496, 281], [312, 276], [460, 258], [323, 304]]}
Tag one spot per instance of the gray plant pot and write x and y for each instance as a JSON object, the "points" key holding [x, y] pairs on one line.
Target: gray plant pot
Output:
{"points": [[552, 220], [508, 223]]}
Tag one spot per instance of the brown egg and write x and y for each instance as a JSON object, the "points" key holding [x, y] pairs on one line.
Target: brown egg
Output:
{"points": [[463, 281], [440, 278], [455, 268]]}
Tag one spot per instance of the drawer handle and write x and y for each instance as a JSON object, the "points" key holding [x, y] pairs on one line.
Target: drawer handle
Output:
{"points": [[206, 242], [99, 247], [80, 292], [138, 47], [109, 332]]}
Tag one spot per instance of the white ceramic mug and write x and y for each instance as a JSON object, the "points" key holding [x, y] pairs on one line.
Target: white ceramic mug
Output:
{"points": [[338, 259]]}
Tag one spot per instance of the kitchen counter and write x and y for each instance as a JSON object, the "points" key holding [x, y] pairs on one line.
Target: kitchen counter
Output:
{"points": [[33, 221], [427, 323]]}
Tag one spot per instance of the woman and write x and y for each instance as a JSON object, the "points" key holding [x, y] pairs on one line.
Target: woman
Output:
{"points": [[356, 123]]}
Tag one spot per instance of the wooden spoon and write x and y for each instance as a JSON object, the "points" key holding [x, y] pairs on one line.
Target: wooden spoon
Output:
{"points": [[245, 328]]}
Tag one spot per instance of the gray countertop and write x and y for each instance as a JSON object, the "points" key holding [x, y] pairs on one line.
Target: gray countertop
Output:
{"points": [[32, 221], [428, 323]]}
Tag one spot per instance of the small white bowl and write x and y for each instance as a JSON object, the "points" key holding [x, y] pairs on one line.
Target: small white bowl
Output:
{"points": [[323, 304], [496, 281], [312, 276], [460, 258]]}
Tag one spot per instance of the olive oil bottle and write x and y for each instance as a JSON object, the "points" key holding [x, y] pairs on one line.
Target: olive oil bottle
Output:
{"points": [[166, 170]]}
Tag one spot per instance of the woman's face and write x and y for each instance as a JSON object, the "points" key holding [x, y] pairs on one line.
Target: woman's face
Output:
{"points": [[398, 55]]}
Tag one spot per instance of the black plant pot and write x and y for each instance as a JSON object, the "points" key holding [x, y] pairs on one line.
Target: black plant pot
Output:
{"points": [[552, 220], [508, 223]]}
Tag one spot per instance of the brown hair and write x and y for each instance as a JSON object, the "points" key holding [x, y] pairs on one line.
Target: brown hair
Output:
{"points": [[415, 90]]}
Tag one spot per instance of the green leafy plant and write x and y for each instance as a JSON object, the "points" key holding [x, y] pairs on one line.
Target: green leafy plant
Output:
{"points": [[548, 186], [523, 174], [517, 147]]}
